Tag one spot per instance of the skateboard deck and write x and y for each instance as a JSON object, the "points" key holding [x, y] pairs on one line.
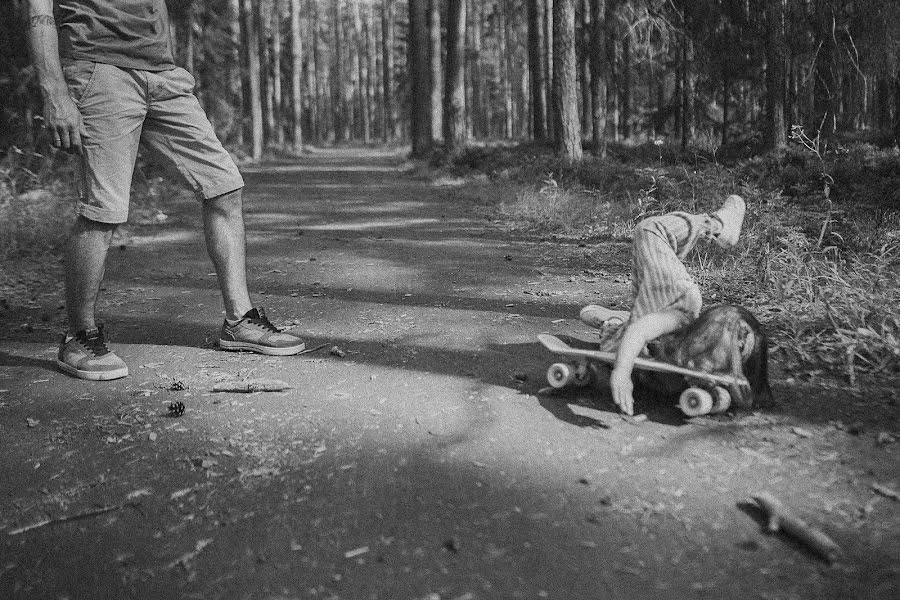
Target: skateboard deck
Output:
{"points": [[707, 392]]}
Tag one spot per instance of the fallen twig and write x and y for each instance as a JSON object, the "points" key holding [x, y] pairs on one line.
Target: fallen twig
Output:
{"points": [[885, 491], [75, 517], [780, 518], [319, 347], [251, 385]]}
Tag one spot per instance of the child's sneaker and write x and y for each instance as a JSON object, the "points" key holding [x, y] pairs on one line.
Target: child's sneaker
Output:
{"points": [[731, 216], [597, 316], [86, 356], [255, 333]]}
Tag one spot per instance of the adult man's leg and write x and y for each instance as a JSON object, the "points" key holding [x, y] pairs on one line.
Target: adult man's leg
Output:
{"points": [[245, 327], [83, 351], [223, 224]]}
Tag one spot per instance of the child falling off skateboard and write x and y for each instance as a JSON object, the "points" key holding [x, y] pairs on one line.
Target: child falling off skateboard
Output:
{"points": [[667, 305]]}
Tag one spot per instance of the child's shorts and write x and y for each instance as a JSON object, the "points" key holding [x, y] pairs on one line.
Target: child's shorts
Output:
{"points": [[121, 107]]}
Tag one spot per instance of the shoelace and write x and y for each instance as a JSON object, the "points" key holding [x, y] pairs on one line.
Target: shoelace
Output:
{"points": [[93, 341], [263, 322]]}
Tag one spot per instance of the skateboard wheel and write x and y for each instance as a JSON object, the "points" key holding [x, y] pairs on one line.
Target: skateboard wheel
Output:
{"points": [[558, 375], [695, 401], [721, 399], [581, 376]]}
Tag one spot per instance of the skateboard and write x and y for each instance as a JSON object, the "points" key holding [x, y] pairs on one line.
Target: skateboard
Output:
{"points": [[707, 393]]}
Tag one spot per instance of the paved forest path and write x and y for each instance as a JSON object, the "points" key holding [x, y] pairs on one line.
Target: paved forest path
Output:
{"points": [[424, 462]]}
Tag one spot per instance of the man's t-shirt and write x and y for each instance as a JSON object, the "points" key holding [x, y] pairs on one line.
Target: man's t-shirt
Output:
{"points": [[125, 33]]}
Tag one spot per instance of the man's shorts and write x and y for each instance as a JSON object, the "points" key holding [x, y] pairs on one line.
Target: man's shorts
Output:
{"points": [[122, 107]]}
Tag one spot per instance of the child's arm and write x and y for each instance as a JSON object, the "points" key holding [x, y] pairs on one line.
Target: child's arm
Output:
{"points": [[637, 334]]}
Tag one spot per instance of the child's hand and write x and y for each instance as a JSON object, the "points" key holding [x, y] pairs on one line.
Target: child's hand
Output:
{"points": [[622, 388]]}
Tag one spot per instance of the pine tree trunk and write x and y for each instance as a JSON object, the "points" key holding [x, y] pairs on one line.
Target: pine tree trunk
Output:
{"points": [[251, 48], [612, 89], [277, 115], [339, 118], [565, 81], [776, 134], [318, 113], [597, 47], [437, 74], [477, 108], [585, 70], [825, 88], [265, 76], [359, 49], [687, 94], [387, 65], [455, 93], [503, 70], [626, 86], [551, 73], [234, 72], [420, 78], [537, 70], [296, 77], [371, 69]]}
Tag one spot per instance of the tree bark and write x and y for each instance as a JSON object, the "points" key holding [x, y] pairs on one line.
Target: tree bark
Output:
{"points": [[387, 66], [265, 79], [477, 109], [776, 134], [551, 72], [420, 77], [537, 70], [597, 47], [251, 49], [296, 77], [317, 112], [235, 72], [338, 109], [612, 90], [277, 115], [455, 93], [503, 74], [584, 42], [370, 68], [359, 51], [565, 81], [437, 75], [626, 86]]}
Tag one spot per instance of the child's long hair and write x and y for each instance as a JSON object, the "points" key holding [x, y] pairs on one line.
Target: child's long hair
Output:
{"points": [[726, 340]]}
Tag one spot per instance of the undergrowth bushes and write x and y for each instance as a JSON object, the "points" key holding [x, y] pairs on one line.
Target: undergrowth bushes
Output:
{"points": [[819, 264], [37, 197]]}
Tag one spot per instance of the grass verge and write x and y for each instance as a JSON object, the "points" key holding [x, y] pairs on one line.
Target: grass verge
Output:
{"points": [[819, 260]]}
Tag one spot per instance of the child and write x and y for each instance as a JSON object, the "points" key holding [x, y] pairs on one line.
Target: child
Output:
{"points": [[667, 300]]}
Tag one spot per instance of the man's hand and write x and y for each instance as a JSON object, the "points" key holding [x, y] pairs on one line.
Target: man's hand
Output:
{"points": [[63, 121], [622, 390]]}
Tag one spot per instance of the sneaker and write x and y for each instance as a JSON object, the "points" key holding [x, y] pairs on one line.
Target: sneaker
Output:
{"points": [[255, 333], [731, 215], [86, 356], [600, 316]]}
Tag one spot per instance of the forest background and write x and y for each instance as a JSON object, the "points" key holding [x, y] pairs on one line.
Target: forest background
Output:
{"points": [[601, 111]]}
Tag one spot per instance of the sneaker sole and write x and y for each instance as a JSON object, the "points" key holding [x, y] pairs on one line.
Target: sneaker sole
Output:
{"points": [[92, 375], [268, 350]]}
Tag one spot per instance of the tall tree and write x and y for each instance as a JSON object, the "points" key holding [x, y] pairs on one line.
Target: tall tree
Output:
{"points": [[597, 58], [776, 48], [420, 78], [265, 73], [434, 52], [277, 116], [251, 58], [296, 75], [565, 81], [537, 69], [454, 92], [387, 66]]}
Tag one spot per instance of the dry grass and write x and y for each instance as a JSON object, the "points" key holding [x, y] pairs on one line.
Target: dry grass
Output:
{"points": [[819, 260]]}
